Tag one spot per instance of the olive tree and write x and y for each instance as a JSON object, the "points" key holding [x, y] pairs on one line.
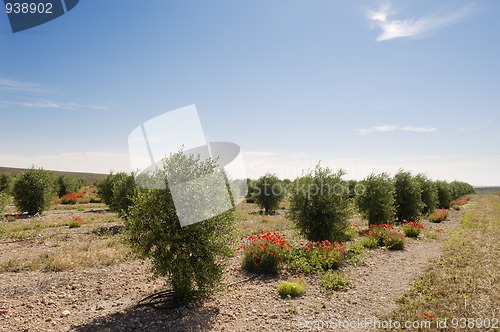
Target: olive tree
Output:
{"points": [[33, 190], [268, 192], [408, 196], [190, 257], [319, 205], [376, 203]]}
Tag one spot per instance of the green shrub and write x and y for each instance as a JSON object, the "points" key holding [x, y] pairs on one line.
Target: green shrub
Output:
{"points": [[66, 185], [319, 205], [412, 229], [394, 241], [116, 190], [370, 242], [354, 253], [332, 281], [74, 224], [430, 198], [316, 257], [3, 203], [408, 196], [33, 190], [264, 253], [377, 202], [352, 185], [190, 257], [105, 188], [5, 183], [459, 189], [291, 289], [268, 192], [444, 194]]}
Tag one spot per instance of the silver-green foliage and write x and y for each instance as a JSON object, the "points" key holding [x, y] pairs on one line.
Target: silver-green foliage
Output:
{"points": [[319, 205], [33, 190], [190, 257], [408, 196], [430, 198], [268, 192], [376, 202]]}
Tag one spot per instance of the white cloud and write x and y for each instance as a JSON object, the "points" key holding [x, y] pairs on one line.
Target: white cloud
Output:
{"points": [[48, 104], [33, 95], [390, 128], [12, 86], [413, 27], [386, 128]]}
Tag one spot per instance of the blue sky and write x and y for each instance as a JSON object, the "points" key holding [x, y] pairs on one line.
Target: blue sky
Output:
{"points": [[366, 86]]}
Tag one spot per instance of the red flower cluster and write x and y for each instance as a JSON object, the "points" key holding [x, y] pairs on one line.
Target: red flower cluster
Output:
{"points": [[417, 225], [439, 215], [326, 246], [379, 230], [70, 196], [460, 202], [357, 227], [412, 229], [427, 315], [79, 219], [263, 252]]}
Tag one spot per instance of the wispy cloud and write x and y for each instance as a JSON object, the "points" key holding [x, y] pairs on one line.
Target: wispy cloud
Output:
{"points": [[34, 95], [413, 27], [48, 104], [390, 128], [12, 86]]}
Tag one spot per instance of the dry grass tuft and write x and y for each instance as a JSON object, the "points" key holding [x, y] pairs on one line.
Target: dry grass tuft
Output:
{"points": [[91, 253]]}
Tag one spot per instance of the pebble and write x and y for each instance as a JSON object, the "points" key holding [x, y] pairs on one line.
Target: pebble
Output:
{"points": [[65, 313]]}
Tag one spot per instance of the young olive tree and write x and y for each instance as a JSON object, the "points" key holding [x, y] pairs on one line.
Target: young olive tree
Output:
{"points": [[376, 203], [444, 194], [408, 196], [429, 193], [66, 184], [5, 183], [319, 205], [190, 257], [33, 190], [116, 190], [268, 192]]}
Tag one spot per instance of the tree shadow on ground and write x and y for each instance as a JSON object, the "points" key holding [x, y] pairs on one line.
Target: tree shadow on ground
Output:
{"points": [[144, 318]]}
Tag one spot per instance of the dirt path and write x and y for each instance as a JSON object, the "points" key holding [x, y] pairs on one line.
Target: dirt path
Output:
{"points": [[104, 299]]}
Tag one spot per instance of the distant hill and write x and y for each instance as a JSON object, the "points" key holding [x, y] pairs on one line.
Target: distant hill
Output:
{"points": [[487, 190], [90, 177]]}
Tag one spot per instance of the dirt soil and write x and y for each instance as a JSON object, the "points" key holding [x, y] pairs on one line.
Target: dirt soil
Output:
{"points": [[106, 299]]}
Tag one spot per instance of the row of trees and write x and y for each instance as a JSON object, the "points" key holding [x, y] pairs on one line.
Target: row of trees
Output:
{"points": [[405, 197], [33, 189], [319, 200]]}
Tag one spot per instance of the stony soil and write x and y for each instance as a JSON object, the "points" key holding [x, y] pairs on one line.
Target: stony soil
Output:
{"points": [[106, 299]]}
